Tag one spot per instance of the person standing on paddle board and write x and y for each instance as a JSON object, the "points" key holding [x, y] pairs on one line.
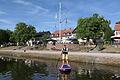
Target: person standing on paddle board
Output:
{"points": [[65, 54]]}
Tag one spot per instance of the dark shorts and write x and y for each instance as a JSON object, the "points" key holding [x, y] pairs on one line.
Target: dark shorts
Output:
{"points": [[65, 52]]}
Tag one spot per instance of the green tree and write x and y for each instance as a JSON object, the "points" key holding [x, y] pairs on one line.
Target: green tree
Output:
{"points": [[4, 36], [31, 31], [23, 32], [94, 27], [44, 39]]}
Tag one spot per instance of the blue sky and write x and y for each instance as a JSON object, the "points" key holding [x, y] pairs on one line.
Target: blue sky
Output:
{"points": [[43, 13]]}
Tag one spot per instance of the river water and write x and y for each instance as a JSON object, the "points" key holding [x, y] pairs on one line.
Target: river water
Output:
{"points": [[27, 69]]}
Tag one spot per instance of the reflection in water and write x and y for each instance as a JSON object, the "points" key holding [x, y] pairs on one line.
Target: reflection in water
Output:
{"points": [[65, 70], [22, 70], [95, 74], [26, 69], [64, 77]]}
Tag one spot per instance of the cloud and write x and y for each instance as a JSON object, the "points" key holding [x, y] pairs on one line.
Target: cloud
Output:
{"points": [[2, 12], [6, 21], [34, 8], [22, 2], [37, 9]]}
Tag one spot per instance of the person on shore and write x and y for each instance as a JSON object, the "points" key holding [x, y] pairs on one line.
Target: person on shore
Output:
{"points": [[24, 50], [65, 54]]}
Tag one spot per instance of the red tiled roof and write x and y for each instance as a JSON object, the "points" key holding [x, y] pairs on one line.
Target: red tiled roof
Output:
{"points": [[117, 27], [62, 33]]}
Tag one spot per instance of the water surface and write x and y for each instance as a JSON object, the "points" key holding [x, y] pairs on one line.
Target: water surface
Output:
{"points": [[26, 69]]}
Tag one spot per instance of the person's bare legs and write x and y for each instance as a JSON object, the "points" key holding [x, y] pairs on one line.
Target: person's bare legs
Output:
{"points": [[63, 58], [66, 57]]}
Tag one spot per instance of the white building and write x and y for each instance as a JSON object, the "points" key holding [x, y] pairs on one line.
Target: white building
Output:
{"points": [[116, 36], [67, 36], [62, 36]]}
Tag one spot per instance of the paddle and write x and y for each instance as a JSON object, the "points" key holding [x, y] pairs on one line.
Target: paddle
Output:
{"points": [[57, 68], [58, 60]]}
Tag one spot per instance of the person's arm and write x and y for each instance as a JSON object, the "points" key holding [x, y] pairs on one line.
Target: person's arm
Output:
{"points": [[61, 50]]}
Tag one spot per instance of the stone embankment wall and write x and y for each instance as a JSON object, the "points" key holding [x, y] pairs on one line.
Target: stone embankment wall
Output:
{"points": [[100, 58]]}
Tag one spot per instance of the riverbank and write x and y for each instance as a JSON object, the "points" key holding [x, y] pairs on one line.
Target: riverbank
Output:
{"points": [[89, 57]]}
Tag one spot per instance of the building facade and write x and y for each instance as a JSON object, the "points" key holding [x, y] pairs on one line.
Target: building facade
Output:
{"points": [[116, 36], [63, 36]]}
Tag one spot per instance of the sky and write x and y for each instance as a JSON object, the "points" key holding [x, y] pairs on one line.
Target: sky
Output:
{"points": [[43, 14]]}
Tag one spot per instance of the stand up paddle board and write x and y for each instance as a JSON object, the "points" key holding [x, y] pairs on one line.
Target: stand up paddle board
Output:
{"points": [[65, 69]]}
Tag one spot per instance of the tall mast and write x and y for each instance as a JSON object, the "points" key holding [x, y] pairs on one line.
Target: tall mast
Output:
{"points": [[60, 7]]}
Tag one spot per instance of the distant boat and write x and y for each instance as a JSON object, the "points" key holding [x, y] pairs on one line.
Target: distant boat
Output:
{"points": [[65, 69]]}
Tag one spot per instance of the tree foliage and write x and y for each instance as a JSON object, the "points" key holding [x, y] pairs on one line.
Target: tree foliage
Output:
{"points": [[4, 36], [43, 37], [94, 27], [23, 32]]}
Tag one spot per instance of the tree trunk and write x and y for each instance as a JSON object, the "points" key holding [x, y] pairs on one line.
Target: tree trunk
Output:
{"points": [[99, 44]]}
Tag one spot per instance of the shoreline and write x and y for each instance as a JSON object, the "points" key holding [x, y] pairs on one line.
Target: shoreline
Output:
{"points": [[88, 57]]}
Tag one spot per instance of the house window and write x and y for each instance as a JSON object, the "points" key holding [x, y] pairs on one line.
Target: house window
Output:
{"points": [[53, 35], [57, 34], [65, 33], [116, 33], [68, 33]]}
